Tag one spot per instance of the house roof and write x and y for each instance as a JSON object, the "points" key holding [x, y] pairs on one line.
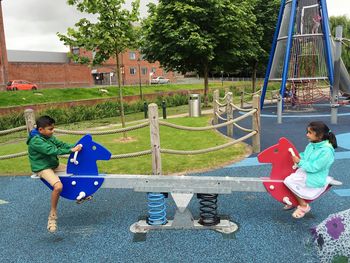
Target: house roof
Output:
{"points": [[37, 56]]}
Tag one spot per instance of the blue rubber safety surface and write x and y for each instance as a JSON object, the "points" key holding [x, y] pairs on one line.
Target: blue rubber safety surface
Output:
{"points": [[98, 230]]}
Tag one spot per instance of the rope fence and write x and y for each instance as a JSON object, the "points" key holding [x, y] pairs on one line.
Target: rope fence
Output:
{"points": [[254, 111], [18, 129], [154, 125], [131, 128]]}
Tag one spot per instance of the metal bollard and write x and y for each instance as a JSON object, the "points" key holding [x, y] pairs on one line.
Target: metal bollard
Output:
{"points": [[164, 109], [145, 109]]}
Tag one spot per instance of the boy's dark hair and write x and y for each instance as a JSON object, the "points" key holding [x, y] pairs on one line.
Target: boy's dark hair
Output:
{"points": [[44, 121], [322, 131]]}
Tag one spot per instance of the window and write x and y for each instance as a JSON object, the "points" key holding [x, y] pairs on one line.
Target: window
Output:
{"points": [[132, 55], [153, 70], [132, 71], [144, 71]]}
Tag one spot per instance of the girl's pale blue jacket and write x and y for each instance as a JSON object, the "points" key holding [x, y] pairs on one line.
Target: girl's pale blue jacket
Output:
{"points": [[316, 161]]}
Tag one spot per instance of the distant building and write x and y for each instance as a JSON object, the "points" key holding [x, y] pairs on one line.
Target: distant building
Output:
{"points": [[55, 69], [133, 69]]}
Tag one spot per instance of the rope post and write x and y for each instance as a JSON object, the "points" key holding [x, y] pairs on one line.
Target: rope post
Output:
{"points": [[279, 108], [242, 99], [229, 112], [216, 106], [29, 117], [155, 139], [256, 124], [337, 62]]}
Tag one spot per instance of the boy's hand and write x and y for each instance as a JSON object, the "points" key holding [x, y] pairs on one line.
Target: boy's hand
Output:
{"points": [[296, 159], [77, 148]]}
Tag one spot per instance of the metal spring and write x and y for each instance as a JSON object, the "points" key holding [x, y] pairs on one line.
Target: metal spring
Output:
{"points": [[208, 209], [157, 209]]}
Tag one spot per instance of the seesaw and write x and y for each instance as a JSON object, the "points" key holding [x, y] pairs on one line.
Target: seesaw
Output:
{"points": [[82, 179]]}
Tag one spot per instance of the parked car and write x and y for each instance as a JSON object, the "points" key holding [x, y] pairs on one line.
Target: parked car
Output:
{"points": [[159, 80], [20, 85]]}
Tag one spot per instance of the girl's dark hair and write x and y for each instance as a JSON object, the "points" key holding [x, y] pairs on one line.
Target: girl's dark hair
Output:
{"points": [[323, 132], [44, 121]]}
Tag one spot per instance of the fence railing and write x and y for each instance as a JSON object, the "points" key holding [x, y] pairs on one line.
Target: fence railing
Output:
{"points": [[154, 123], [226, 106]]}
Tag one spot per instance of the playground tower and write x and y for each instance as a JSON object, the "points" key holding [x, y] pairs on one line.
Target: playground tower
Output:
{"points": [[301, 54]]}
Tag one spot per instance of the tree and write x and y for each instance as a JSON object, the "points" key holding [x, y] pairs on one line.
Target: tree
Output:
{"points": [[266, 13], [345, 22], [111, 35], [197, 35]]}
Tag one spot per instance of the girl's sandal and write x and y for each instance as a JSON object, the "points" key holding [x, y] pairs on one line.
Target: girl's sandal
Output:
{"points": [[52, 223], [301, 211]]}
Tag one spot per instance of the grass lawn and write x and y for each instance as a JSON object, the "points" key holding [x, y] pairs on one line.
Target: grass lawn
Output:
{"points": [[170, 139], [28, 97]]}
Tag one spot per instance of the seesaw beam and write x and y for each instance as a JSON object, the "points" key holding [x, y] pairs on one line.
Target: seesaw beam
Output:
{"points": [[185, 184]]}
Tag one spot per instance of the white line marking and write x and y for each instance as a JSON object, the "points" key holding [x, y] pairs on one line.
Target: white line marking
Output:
{"points": [[2, 202]]}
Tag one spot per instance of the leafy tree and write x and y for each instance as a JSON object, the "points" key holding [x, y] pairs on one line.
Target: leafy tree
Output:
{"points": [[345, 22], [111, 35], [266, 13], [197, 35]]}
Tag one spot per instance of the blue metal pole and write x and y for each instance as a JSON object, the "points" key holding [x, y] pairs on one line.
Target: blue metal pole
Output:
{"points": [[288, 48], [272, 53], [327, 40]]}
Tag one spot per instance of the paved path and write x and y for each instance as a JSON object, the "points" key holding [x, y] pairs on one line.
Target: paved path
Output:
{"points": [[98, 231]]}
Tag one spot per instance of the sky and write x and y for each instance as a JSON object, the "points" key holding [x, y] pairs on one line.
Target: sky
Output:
{"points": [[33, 24]]}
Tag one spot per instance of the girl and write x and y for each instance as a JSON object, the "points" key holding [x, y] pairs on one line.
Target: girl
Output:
{"points": [[311, 178]]}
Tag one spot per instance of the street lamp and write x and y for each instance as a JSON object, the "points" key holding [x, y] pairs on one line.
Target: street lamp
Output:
{"points": [[222, 78], [138, 63]]}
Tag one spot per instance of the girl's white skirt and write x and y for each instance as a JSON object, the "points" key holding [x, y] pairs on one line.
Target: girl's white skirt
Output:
{"points": [[296, 182]]}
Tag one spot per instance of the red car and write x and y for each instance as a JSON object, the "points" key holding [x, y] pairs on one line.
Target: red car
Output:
{"points": [[20, 85]]}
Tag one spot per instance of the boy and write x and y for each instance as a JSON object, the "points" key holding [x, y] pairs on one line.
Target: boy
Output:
{"points": [[43, 149]]}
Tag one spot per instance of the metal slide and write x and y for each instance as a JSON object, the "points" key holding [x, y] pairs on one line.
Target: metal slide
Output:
{"points": [[344, 84]]}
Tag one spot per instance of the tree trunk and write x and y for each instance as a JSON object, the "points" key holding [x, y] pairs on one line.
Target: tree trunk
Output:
{"points": [[206, 86], [121, 107], [255, 68]]}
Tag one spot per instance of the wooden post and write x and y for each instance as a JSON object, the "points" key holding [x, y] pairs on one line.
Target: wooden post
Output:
{"points": [[29, 117], [242, 99], [229, 112], [256, 124], [155, 139], [215, 106]]}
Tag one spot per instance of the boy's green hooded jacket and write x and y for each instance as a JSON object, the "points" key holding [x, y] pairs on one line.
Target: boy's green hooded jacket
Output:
{"points": [[43, 151]]}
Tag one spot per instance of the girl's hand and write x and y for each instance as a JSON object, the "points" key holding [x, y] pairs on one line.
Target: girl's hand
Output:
{"points": [[296, 159]]}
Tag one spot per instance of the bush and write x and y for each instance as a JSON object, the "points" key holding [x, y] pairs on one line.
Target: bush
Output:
{"points": [[84, 113]]}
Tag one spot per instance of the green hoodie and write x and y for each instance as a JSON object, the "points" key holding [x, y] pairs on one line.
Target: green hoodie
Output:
{"points": [[43, 151], [316, 161]]}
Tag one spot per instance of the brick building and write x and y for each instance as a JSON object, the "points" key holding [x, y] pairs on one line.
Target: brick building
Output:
{"points": [[133, 69], [55, 69]]}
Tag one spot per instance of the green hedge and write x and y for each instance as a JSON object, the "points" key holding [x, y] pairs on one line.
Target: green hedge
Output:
{"points": [[84, 113]]}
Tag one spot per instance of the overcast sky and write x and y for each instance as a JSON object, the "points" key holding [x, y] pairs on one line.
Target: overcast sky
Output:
{"points": [[32, 24]]}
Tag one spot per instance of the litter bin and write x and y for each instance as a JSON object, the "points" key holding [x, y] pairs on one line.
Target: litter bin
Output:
{"points": [[194, 105]]}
